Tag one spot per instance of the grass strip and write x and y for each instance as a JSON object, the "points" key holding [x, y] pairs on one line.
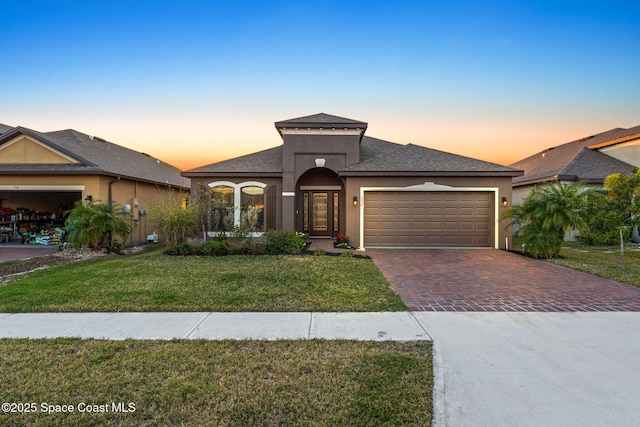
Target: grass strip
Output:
{"points": [[197, 383], [156, 282], [602, 262]]}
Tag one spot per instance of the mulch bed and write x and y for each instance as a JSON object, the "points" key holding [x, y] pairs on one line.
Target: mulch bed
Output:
{"points": [[35, 263]]}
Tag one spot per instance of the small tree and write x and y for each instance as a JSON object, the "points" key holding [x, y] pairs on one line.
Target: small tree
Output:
{"points": [[624, 197], [94, 224], [623, 191]]}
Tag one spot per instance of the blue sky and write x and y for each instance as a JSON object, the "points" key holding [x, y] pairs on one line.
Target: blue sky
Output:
{"points": [[193, 82]]}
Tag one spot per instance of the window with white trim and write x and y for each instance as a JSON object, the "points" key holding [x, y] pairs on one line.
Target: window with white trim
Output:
{"points": [[237, 205]]}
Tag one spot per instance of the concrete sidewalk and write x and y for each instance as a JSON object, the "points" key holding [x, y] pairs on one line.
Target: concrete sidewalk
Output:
{"points": [[396, 326]]}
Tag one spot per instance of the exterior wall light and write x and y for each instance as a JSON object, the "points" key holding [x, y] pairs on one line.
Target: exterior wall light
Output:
{"points": [[355, 201], [504, 201], [88, 199]]}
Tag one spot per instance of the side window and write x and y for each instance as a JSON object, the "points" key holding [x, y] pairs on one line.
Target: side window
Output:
{"points": [[252, 208], [222, 211]]}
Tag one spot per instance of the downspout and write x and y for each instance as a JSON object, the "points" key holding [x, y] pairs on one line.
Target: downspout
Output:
{"points": [[111, 190]]}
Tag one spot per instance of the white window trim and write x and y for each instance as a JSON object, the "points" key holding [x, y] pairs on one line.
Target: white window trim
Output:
{"points": [[237, 194]]}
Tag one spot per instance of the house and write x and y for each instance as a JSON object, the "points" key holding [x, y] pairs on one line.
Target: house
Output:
{"points": [[591, 159], [329, 178], [43, 174]]}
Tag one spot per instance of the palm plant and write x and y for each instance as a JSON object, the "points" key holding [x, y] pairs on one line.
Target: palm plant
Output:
{"points": [[92, 224], [547, 214]]}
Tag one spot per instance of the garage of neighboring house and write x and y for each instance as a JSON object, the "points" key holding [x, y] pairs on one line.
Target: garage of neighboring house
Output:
{"points": [[44, 174], [428, 218]]}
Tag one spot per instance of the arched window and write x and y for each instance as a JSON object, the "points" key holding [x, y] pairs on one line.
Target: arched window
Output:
{"points": [[222, 211], [252, 208], [237, 205]]}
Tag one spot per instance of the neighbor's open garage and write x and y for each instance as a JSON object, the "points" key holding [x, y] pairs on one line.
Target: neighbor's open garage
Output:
{"points": [[33, 211], [428, 219]]}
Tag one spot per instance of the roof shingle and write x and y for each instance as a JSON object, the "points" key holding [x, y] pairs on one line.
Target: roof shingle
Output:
{"points": [[97, 156], [574, 159]]}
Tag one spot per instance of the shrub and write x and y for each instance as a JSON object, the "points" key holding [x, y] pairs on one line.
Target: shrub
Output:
{"points": [[283, 241], [347, 254], [319, 252], [175, 223], [214, 247], [181, 249]]}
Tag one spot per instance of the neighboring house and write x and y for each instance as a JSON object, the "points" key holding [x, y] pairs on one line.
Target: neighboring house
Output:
{"points": [[43, 174], [329, 178], [591, 159]]}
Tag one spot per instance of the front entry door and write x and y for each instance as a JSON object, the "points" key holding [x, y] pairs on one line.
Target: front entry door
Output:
{"points": [[320, 211]]}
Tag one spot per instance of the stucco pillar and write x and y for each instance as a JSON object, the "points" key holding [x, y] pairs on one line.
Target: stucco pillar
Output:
{"points": [[288, 201]]}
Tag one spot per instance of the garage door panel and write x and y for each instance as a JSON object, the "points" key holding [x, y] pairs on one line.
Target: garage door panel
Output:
{"points": [[423, 219]]}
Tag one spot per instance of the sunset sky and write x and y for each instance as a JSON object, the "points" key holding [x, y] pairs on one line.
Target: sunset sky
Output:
{"points": [[195, 82]]}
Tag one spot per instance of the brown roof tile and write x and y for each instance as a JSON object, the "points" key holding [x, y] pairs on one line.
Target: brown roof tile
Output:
{"points": [[316, 120], [266, 161], [414, 159]]}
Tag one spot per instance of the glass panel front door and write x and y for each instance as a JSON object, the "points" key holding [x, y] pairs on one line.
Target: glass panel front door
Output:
{"points": [[320, 212]]}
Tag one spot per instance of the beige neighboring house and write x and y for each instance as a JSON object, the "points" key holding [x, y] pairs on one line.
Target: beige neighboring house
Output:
{"points": [[329, 178], [43, 174], [591, 159]]}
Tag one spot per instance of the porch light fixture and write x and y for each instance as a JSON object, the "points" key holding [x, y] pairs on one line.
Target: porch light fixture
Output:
{"points": [[504, 201], [320, 163], [355, 201], [88, 199]]}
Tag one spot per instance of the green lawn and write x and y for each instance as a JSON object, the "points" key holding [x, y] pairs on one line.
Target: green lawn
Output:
{"points": [[602, 261], [152, 281], [198, 383]]}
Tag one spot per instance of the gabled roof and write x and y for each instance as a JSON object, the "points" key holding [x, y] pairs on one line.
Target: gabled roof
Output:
{"points": [[578, 159], [416, 160], [94, 156]]}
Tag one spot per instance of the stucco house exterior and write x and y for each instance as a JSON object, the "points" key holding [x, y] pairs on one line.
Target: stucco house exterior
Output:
{"points": [[43, 174], [329, 178], [591, 159]]}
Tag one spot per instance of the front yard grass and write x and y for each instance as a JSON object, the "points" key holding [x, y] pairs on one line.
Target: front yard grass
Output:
{"points": [[182, 382], [602, 262], [151, 281]]}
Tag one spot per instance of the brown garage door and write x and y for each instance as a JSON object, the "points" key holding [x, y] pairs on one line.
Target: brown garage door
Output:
{"points": [[427, 219]]}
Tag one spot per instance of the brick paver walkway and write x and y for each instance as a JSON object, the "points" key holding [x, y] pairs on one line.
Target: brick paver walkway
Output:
{"points": [[493, 280]]}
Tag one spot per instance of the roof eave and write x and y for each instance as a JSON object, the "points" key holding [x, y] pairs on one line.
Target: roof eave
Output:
{"points": [[433, 173], [188, 174], [98, 172]]}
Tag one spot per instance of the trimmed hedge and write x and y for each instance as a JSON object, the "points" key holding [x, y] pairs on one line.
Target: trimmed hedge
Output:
{"points": [[271, 242]]}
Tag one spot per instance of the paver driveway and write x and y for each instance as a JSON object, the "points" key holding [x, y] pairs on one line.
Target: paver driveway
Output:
{"points": [[16, 252], [494, 280]]}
